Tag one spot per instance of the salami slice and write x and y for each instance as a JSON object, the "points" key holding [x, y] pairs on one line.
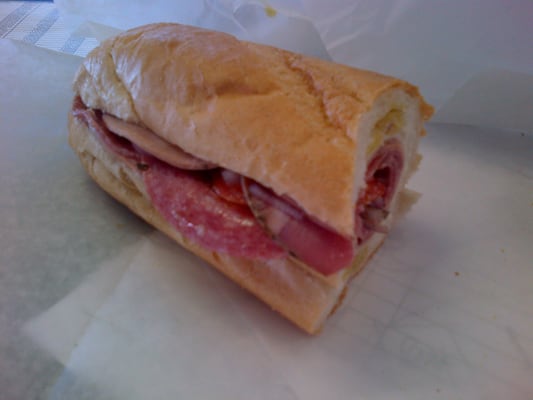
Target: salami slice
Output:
{"points": [[210, 208], [187, 201]]}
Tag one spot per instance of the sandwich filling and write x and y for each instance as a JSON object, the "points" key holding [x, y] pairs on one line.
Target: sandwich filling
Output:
{"points": [[229, 213]]}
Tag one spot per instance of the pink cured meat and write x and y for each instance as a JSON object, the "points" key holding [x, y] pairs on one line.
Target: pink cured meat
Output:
{"points": [[186, 200], [118, 145], [194, 209], [319, 247]]}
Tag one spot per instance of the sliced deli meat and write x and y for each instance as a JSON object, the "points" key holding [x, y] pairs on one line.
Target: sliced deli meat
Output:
{"points": [[154, 145], [93, 119], [320, 247], [187, 201]]}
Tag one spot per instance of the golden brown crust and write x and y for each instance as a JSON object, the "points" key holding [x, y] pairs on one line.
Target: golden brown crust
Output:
{"points": [[288, 121]]}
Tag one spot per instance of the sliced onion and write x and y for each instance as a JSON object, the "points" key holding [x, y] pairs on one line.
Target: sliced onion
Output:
{"points": [[373, 218], [152, 144]]}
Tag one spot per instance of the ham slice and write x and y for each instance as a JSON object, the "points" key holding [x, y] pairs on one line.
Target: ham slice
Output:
{"points": [[154, 145], [225, 212], [93, 119], [317, 246]]}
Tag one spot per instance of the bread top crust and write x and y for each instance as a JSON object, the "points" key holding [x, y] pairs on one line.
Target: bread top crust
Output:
{"points": [[285, 120]]}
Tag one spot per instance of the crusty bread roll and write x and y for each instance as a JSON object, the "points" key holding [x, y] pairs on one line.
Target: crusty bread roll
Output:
{"points": [[302, 127]]}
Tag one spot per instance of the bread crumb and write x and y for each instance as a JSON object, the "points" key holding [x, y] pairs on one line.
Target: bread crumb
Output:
{"points": [[456, 273]]}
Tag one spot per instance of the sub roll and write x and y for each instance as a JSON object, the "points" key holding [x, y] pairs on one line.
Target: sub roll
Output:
{"points": [[284, 172]]}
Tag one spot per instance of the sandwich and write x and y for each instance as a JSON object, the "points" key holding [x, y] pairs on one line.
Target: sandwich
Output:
{"points": [[282, 171]]}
